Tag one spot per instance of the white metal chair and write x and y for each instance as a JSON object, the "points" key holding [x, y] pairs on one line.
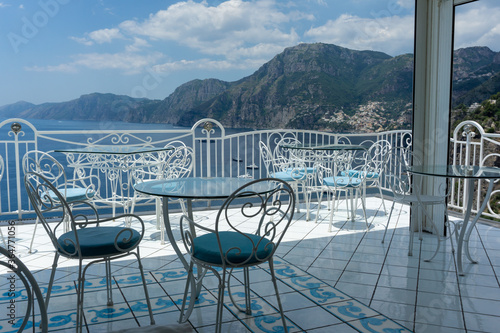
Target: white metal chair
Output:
{"points": [[73, 190], [97, 240], [295, 172], [175, 163], [346, 173], [230, 245], [406, 189], [374, 159]]}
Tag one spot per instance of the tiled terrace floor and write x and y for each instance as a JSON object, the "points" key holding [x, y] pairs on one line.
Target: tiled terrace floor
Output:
{"points": [[343, 281]]}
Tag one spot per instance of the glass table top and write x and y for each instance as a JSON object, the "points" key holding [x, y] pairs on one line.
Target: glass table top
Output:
{"points": [[456, 171], [118, 149], [325, 147], [200, 188]]}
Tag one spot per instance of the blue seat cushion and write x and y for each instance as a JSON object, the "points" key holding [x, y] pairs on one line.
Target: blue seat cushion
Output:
{"points": [[237, 247], [357, 173], [342, 181], [293, 174], [74, 194], [308, 169], [99, 241]]}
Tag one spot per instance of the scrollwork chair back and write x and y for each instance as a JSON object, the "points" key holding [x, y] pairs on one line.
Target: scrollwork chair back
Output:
{"points": [[89, 237], [232, 244]]}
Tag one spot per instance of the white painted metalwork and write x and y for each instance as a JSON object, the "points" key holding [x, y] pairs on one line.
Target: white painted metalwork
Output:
{"points": [[472, 146], [217, 152]]}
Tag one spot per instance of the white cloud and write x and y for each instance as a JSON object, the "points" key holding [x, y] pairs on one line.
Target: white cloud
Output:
{"points": [[105, 35], [99, 36], [82, 40], [130, 63], [232, 28], [207, 64], [472, 29], [235, 30], [390, 34], [63, 68], [138, 45], [408, 4]]}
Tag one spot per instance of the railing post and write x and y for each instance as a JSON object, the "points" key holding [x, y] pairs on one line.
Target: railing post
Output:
{"points": [[16, 129], [208, 129], [468, 133]]}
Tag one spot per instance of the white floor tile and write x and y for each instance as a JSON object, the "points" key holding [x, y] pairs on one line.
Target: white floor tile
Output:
{"points": [[349, 258]]}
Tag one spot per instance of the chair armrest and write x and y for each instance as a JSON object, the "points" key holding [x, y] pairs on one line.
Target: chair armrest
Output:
{"points": [[133, 221], [188, 231]]}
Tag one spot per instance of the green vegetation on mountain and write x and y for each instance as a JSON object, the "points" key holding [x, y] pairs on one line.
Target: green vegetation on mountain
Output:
{"points": [[487, 114], [309, 86]]}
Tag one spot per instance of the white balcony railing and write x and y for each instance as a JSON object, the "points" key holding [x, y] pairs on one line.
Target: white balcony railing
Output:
{"points": [[217, 152]]}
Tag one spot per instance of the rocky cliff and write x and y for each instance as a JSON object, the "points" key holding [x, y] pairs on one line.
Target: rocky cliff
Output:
{"points": [[310, 86]]}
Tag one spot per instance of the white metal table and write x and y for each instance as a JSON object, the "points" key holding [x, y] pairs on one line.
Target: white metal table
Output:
{"points": [[469, 174], [116, 162]]}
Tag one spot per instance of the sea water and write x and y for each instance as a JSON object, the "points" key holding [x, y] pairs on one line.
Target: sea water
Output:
{"points": [[47, 145]]}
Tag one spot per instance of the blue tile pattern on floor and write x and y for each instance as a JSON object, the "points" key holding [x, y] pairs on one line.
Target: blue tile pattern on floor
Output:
{"points": [[303, 288], [422, 296]]}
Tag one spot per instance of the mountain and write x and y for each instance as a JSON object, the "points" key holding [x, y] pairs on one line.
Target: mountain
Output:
{"points": [[185, 98], [96, 106], [14, 110], [308, 86]]}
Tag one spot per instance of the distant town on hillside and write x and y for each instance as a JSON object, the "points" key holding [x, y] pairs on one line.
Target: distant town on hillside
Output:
{"points": [[308, 86]]}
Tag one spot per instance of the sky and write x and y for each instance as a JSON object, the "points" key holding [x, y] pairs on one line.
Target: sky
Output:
{"points": [[58, 50]]}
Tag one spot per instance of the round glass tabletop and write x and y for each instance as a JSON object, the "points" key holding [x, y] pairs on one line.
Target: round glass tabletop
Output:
{"points": [[200, 188], [456, 171], [324, 147]]}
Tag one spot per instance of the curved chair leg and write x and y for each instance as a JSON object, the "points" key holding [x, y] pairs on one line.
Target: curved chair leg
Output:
{"points": [[32, 237], [220, 302], [410, 243], [363, 205], [51, 280], [109, 282], [296, 190], [159, 220], [437, 234], [307, 202], [388, 220], [247, 291], [273, 278], [319, 196], [79, 302], [331, 213], [189, 281], [451, 233], [195, 285], [382, 197], [246, 286], [146, 293]]}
